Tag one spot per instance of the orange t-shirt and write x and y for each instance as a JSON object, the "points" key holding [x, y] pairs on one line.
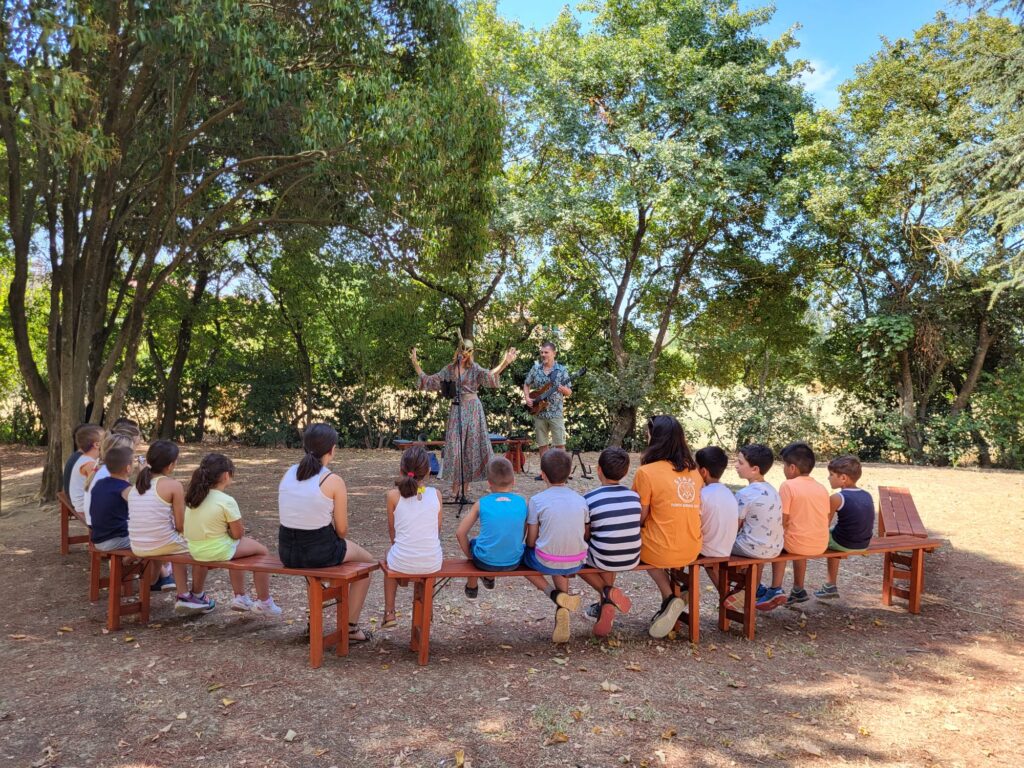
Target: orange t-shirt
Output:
{"points": [[670, 536], [804, 515]]}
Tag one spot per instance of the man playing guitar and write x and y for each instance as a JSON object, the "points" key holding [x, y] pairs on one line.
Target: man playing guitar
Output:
{"points": [[548, 423]]}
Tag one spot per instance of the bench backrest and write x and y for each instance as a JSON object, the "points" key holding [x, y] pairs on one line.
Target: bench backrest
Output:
{"points": [[897, 513]]}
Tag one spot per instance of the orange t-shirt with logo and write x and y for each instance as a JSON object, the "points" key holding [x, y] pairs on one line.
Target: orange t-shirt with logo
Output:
{"points": [[670, 536], [804, 515]]}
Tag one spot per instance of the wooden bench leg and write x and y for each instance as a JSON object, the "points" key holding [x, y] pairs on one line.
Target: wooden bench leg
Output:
{"points": [[114, 594], [916, 580], [95, 566], [887, 567], [65, 547], [426, 614], [723, 577], [693, 588], [146, 577], [314, 589], [753, 578], [341, 612]]}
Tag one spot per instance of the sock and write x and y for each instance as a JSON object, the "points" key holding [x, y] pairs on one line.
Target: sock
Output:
{"points": [[552, 593], [183, 595]]}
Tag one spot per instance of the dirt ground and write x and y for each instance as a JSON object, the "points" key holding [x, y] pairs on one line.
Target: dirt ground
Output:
{"points": [[848, 683]]}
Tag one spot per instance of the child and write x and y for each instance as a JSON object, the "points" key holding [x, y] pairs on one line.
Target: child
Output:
{"points": [[613, 536], [213, 528], [669, 487], [502, 514], [313, 505], [69, 465], [414, 525], [156, 518], [804, 523], [719, 510], [555, 524], [88, 439], [760, 533], [113, 439], [855, 511], [109, 530]]}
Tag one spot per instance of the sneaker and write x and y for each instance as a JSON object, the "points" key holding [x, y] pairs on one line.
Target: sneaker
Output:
{"points": [[619, 599], [735, 602], [772, 598], [827, 592], [190, 604], [472, 592], [539, 478], [603, 627], [761, 589], [267, 607], [593, 611], [665, 619], [565, 600], [163, 584], [797, 596], [242, 603], [487, 581], [561, 633]]}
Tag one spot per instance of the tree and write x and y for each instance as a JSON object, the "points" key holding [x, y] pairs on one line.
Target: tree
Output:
{"points": [[138, 137], [661, 131]]}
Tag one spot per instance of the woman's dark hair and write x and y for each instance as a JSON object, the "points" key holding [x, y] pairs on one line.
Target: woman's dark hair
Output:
{"points": [[317, 440], [159, 457], [206, 476], [415, 467], [668, 443]]}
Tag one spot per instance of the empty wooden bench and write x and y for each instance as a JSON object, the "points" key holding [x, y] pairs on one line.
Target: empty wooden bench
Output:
{"points": [[68, 514], [322, 585], [898, 516], [685, 579]]}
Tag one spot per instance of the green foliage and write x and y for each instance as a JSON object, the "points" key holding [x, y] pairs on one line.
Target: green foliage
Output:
{"points": [[998, 408], [775, 417]]}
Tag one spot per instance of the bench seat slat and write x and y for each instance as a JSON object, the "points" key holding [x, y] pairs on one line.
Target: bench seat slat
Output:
{"points": [[271, 564]]}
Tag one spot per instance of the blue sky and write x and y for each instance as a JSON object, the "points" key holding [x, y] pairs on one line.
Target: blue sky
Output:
{"points": [[835, 35]]}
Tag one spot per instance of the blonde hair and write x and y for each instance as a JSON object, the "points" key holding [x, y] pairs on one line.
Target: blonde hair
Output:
{"points": [[110, 441]]}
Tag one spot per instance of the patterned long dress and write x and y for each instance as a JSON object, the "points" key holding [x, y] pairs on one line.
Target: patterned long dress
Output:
{"points": [[475, 438]]}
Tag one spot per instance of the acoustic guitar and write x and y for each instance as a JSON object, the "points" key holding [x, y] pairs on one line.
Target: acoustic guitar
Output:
{"points": [[542, 393]]}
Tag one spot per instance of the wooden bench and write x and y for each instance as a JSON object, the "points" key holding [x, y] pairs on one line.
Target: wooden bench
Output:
{"points": [[744, 574], [67, 515], [898, 516], [322, 585], [686, 578]]}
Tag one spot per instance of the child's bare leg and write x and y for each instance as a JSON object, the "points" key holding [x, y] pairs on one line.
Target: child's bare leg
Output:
{"points": [[471, 582], [778, 574], [661, 578], [246, 548], [833, 570], [180, 572], [713, 575], [561, 583], [390, 591], [596, 580], [538, 581], [198, 579], [799, 572], [357, 592]]}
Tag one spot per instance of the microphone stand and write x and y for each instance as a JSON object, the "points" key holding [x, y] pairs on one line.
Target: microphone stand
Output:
{"points": [[460, 499]]}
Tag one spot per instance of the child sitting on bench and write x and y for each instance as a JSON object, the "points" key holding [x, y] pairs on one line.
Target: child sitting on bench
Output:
{"points": [[855, 511], [88, 438], [109, 530], [414, 525], [502, 514], [613, 537], [214, 530], [555, 543]]}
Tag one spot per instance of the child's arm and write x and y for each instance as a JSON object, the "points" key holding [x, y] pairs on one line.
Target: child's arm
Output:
{"points": [[440, 509], [392, 499], [334, 488], [465, 526], [177, 502], [86, 468], [532, 530], [235, 529], [835, 501], [786, 496], [586, 531], [234, 517]]}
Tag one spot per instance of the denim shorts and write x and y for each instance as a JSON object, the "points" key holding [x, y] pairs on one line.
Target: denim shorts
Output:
{"points": [[319, 548], [530, 561], [482, 566]]}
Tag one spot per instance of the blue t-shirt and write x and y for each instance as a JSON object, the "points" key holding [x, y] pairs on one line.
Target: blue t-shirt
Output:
{"points": [[108, 511], [855, 519], [502, 529]]}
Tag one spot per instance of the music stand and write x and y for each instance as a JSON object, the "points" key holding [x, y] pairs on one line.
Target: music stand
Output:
{"points": [[577, 454]]}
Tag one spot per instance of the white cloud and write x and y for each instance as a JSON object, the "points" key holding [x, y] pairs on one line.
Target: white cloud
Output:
{"points": [[819, 80]]}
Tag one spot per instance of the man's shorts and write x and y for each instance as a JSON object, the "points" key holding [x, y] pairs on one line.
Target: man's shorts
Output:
{"points": [[549, 431], [837, 547]]}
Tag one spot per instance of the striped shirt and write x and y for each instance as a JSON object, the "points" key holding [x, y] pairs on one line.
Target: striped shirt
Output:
{"points": [[614, 528]]}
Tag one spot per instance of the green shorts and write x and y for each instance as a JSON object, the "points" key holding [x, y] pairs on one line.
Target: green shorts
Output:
{"points": [[549, 431], [837, 547]]}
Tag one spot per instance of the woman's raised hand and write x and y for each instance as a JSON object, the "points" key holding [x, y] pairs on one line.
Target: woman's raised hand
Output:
{"points": [[510, 355], [413, 356]]}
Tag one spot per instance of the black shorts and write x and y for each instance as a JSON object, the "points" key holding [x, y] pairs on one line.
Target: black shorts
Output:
{"points": [[320, 548]]}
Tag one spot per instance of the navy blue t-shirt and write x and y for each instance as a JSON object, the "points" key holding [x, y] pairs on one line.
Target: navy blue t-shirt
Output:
{"points": [[108, 510], [855, 519]]}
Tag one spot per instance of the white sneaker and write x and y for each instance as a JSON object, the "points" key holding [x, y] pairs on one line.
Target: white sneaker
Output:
{"points": [[242, 604], [266, 608]]}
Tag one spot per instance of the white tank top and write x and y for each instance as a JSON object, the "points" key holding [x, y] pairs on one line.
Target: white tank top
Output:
{"points": [[76, 486], [417, 547], [150, 519], [101, 473], [302, 504]]}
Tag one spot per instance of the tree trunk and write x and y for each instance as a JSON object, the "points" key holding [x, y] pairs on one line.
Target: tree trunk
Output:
{"points": [[985, 340], [911, 430], [623, 424], [203, 403], [172, 388]]}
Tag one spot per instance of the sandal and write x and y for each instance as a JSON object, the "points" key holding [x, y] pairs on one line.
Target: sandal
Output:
{"points": [[354, 631], [488, 581], [390, 620]]}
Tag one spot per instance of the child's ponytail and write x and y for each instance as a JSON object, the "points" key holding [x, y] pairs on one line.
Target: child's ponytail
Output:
{"points": [[414, 469], [159, 457], [317, 441], [206, 476]]}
